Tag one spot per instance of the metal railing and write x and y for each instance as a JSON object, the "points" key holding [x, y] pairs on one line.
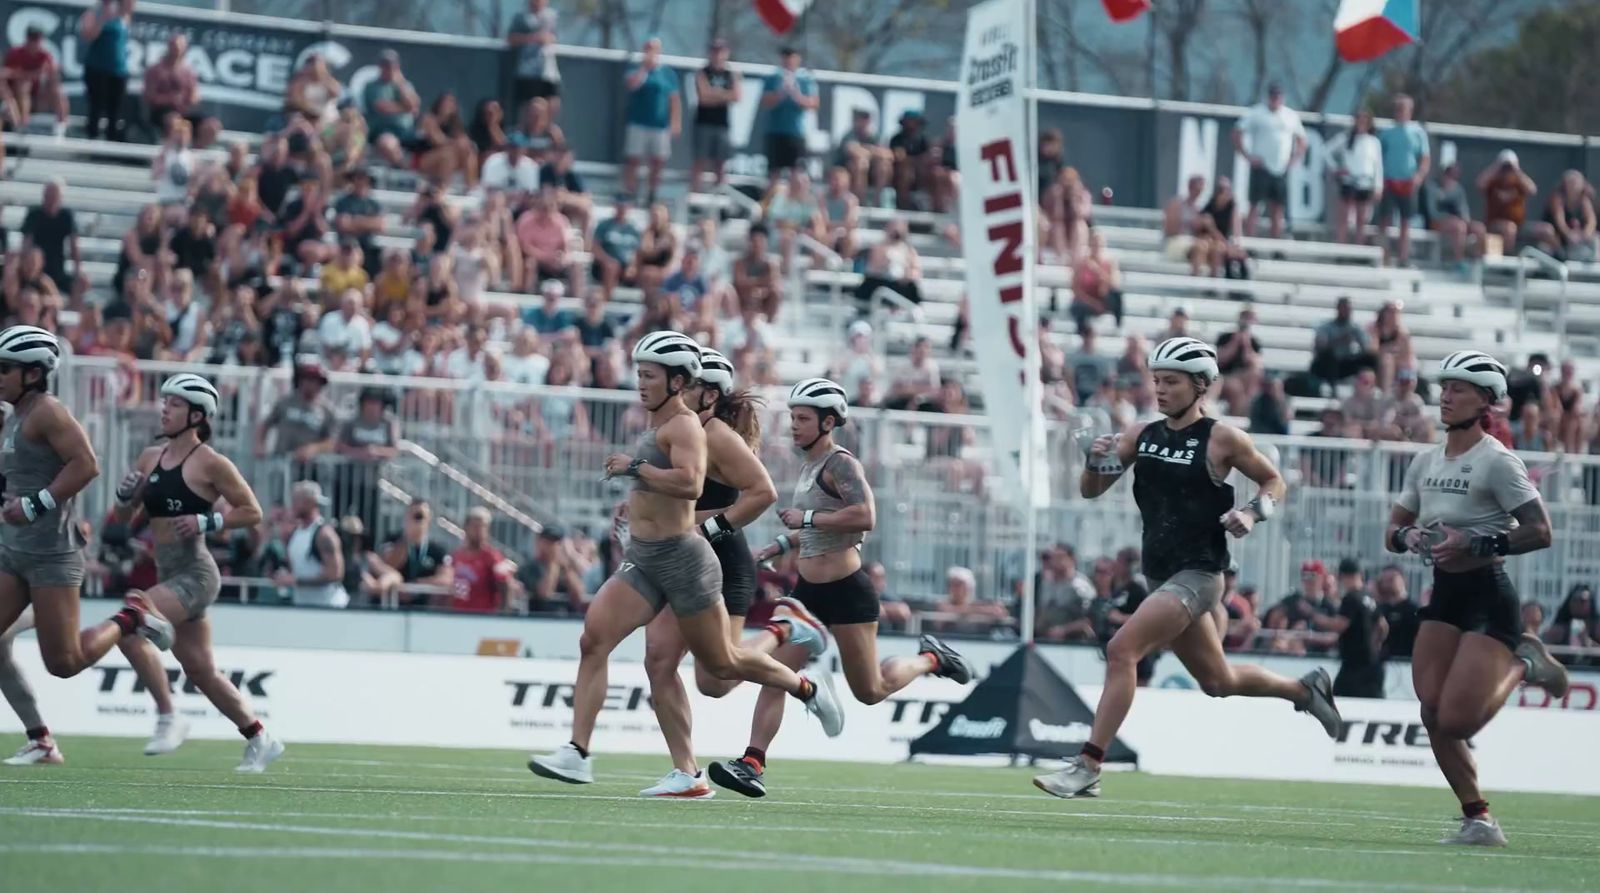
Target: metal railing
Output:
{"points": [[1554, 267]]}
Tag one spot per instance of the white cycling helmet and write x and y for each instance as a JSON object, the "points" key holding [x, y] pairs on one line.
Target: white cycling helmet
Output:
{"points": [[30, 345], [1183, 354], [820, 393], [671, 350], [1475, 368], [715, 370], [195, 391]]}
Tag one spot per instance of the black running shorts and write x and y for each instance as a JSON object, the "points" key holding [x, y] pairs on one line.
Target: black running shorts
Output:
{"points": [[738, 573], [1478, 601], [843, 601]]}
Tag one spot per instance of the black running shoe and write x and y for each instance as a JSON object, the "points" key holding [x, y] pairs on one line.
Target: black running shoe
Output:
{"points": [[740, 776], [951, 664]]}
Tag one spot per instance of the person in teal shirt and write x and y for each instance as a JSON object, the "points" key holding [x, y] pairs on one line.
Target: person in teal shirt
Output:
{"points": [[655, 117], [104, 32], [787, 94], [1405, 166]]}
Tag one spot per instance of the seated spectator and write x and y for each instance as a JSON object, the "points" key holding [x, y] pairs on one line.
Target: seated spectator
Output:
{"points": [[1533, 619], [1448, 213], [794, 210], [950, 441], [344, 140], [391, 105], [51, 227], [1531, 432], [1404, 415], [233, 323], [365, 574], [960, 613], [946, 176], [246, 213], [171, 88], [1389, 333], [552, 575], [477, 267], [861, 359], [893, 611], [658, 249], [194, 248], [571, 195], [487, 129], [441, 145], [915, 380], [543, 239], [358, 216], [1068, 209], [1240, 362], [172, 170], [512, 171], [685, 291], [1506, 190], [1052, 158], [1086, 367], [615, 247], [549, 317], [1329, 467], [867, 163], [755, 277], [1568, 229], [465, 363], [841, 212], [482, 573], [33, 80], [285, 316], [313, 92], [1574, 623], [539, 132], [1226, 218], [1569, 411], [1177, 325], [1062, 596], [1189, 232], [276, 176], [347, 328], [892, 264], [596, 328], [747, 330], [1363, 409], [436, 215], [1340, 348], [655, 118], [304, 224], [303, 419], [315, 555], [913, 160], [1242, 604], [1096, 284]]}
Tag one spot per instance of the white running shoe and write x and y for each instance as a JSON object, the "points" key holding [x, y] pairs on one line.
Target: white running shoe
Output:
{"points": [[824, 704], [171, 730], [680, 785], [152, 625], [1480, 831], [259, 752], [37, 752], [564, 764], [805, 629], [1075, 779]]}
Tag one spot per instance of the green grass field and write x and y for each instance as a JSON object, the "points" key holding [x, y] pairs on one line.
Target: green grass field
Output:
{"points": [[413, 819]]}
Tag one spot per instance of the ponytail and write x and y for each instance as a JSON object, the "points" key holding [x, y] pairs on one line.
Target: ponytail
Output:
{"points": [[203, 430], [740, 411]]}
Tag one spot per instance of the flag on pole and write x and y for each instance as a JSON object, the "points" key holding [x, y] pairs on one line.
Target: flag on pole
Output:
{"points": [[781, 15], [1366, 29], [1125, 10]]}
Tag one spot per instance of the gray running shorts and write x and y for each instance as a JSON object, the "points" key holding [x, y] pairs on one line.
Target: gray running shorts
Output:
{"points": [[59, 569], [682, 572], [1200, 591], [188, 570]]}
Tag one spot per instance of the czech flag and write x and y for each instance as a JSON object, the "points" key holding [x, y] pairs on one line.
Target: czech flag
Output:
{"points": [[780, 15], [1366, 29], [1125, 10]]}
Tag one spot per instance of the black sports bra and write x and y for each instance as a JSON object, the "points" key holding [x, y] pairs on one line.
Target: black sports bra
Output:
{"points": [[715, 496], [167, 495]]}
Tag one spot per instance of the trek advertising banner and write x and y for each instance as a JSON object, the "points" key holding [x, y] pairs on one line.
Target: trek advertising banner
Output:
{"points": [[997, 228]]}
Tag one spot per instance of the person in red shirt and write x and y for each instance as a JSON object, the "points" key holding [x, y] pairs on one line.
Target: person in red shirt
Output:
{"points": [[33, 78], [482, 574]]}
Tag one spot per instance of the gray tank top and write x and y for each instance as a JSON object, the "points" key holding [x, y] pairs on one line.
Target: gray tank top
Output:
{"points": [[835, 208], [29, 467], [652, 453], [809, 494]]}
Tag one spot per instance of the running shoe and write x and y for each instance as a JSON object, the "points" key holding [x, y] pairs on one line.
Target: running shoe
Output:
{"points": [[824, 704], [742, 776], [171, 730], [564, 764], [259, 752], [37, 752], [1543, 670], [805, 629], [680, 785], [1478, 831], [1075, 779], [951, 664], [152, 625], [1320, 704]]}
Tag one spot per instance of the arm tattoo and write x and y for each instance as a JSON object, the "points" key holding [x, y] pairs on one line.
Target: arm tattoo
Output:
{"points": [[850, 482]]}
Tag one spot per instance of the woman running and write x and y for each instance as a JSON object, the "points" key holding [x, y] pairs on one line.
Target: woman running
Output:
{"points": [[737, 491], [1181, 466], [177, 485], [45, 461], [1457, 509], [832, 513], [667, 562]]}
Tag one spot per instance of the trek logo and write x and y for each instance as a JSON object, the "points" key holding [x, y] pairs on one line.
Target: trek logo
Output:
{"points": [[1167, 454], [922, 713], [546, 695], [1457, 486], [252, 683], [961, 727], [1384, 733], [1071, 733]]}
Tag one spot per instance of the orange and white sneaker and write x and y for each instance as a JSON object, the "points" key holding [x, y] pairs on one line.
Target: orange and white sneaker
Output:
{"points": [[152, 625], [805, 629], [680, 785], [37, 752]]}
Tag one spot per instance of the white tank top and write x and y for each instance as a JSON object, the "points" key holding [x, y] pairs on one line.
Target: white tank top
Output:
{"points": [[1474, 492], [304, 563]]}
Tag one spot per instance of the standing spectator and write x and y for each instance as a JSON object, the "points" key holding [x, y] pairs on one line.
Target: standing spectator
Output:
{"points": [[171, 87], [1445, 208], [1357, 160], [543, 236], [1506, 190], [1399, 612], [615, 247], [481, 572], [1568, 229], [104, 32], [1096, 284], [392, 105], [892, 264], [415, 554], [1568, 395], [531, 34], [366, 441], [1406, 161], [1272, 138], [787, 94], [717, 88], [915, 380], [303, 419], [1340, 348], [34, 79], [551, 575], [316, 558], [1361, 631], [865, 159], [51, 227], [655, 117], [357, 215]]}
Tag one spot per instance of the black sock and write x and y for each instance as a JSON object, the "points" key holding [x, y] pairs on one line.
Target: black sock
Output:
{"points": [[808, 690], [757, 754], [39, 734], [1093, 752], [127, 620], [582, 751], [251, 730], [1476, 809]]}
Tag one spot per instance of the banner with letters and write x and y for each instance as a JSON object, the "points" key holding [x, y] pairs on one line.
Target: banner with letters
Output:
{"points": [[997, 230]]}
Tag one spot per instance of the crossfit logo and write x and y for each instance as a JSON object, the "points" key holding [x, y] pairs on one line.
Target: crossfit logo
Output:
{"points": [[961, 727], [1071, 733]]}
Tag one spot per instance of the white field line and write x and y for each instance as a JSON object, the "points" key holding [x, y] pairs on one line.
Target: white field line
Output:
{"points": [[662, 856]]}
